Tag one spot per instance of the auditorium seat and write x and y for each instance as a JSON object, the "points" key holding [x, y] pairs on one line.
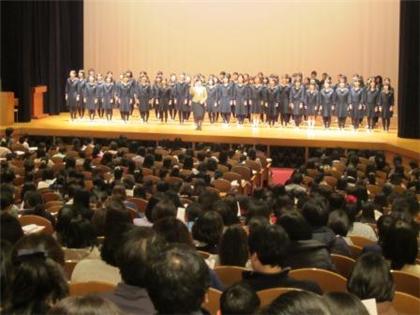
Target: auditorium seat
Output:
{"points": [[356, 251], [37, 220], [406, 304], [92, 287], [343, 264], [361, 241], [204, 254], [140, 203], [406, 282], [229, 274], [212, 301], [327, 280], [50, 196], [269, 295]]}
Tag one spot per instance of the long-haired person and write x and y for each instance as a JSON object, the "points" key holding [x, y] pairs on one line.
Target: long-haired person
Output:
{"points": [[256, 99], [90, 97], [326, 99], [284, 95], [80, 87], [71, 94], [212, 100], [356, 102], [386, 103], [271, 101], [341, 102], [164, 97], [311, 103], [108, 97], [372, 102], [297, 99], [225, 99], [198, 99], [143, 96], [125, 98], [240, 98]]}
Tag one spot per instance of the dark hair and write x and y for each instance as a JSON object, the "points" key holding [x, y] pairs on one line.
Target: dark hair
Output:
{"points": [[208, 228], [173, 230], [339, 222], [228, 211], [345, 303], [295, 225], [257, 222], [233, 247], [371, 278], [207, 199], [315, 213], [178, 281], [384, 225], [6, 264], [297, 303], [134, 257], [10, 228], [270, 243], [164, 208], [85, 305], [400, 244], [239, 299], [6, 198], [257, 208]]}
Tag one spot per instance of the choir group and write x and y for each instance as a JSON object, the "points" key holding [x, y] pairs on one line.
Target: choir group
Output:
{"points": [[267, 99]]}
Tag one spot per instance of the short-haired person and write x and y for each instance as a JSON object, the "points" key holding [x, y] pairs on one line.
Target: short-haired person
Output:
{"points": [[179, 280], [85, 305], [345, 303], [268, 248], [207, 230], [239, 299]]}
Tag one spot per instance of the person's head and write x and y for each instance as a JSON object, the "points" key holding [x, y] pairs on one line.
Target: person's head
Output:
{"points": [[134, 256], [400, 244], [371, 278], [85, 305], [315, 213], [233, 247], [81, 198], [173, 230], [384, 225], [258, 208], [268, 246], [33, 200], [164, 208], [6, 199], [179, 280], [345, 303], [339, 222], [295, 225], [297, 303], [10, 228], [208, 228], [239, 299], [228, 211]]}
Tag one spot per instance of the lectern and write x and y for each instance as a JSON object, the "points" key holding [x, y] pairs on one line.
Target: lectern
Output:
{"points": [[7, 107], [38, 101]]}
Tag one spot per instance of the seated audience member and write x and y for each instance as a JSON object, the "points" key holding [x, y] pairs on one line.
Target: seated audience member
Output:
{"points": [[81, 202], [371, 279], [36, 282], [268, 249], [295, 184], [233, 247], [6, 201], [34, 205], [255, 208], [47, 178], [85, 305], [297, 303], [338, 222], [239, 299], [134, 262], [383, 226], [179, 280], [6, 265], [163, 209], [10, 228], [119, 192], [207, 231], [344, 303], [401, 247], [303, 251], [359, 228]]}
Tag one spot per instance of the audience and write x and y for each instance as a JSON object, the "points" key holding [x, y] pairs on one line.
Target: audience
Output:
{"points": [[233, 247], [345, 303], [85, 305], [239, 299]]}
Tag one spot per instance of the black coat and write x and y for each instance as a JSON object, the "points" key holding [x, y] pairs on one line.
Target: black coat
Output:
{"points": [[311, 102], [256, 97], [297, 98], [71, 92], [372, 102], [108, 95], [271, 98], [284, 95], [90, 94], [326, 99], [356, 100], [144, 94], [241, 96], [342, 101], [225, 97], [212, 98], [386, 101]]}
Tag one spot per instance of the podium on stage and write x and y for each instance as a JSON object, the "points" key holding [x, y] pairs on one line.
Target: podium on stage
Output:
{"points": [[38, 101], [7, 107]]}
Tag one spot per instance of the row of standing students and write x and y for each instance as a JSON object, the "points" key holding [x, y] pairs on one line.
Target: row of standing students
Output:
{"points": [[269, 100]]}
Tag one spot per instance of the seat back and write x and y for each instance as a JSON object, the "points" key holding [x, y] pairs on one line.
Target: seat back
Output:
{"points": [[356, 251], [140, 203], [328, 281], [244, 171], [222, 185], [406, 282], [269, 295], [231, 176], [361, 241], [343, 264], [229, 274], [212, 301], [91, 287], [406, 304], [38, 220], [204, 254]]}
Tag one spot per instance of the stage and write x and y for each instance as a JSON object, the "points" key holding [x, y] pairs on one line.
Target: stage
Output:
{"points": [[62, 126]]}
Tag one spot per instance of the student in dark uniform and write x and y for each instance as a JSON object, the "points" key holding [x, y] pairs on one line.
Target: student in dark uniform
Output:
{"points": [[132, 84], [125, 98], [311, 103], [172, 85], [80, 87], [256, 98], [164, 97], [181, 97], [356, 102], [263, 116], [186, 108], [372, 102], [155, 95], [314, 78], [143, 97], [225, 99], [198, 100], [212, 100], [99, 94], [284, 95], [108, 98], [271, 99], [341, 102], [326, 98], [71, 94], [297, 99], [90, 97], [241, 97], [386, 104]]}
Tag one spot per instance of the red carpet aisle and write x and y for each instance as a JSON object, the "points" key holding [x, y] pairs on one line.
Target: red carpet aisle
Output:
{"points": [[280, 175]]}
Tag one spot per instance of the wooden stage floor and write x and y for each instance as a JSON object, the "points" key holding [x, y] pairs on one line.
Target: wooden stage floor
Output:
{"points": [[61, 125]]}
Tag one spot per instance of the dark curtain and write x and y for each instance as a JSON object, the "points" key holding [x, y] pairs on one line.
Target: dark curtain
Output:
{"points": [[409, 72], [41, 41]]}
